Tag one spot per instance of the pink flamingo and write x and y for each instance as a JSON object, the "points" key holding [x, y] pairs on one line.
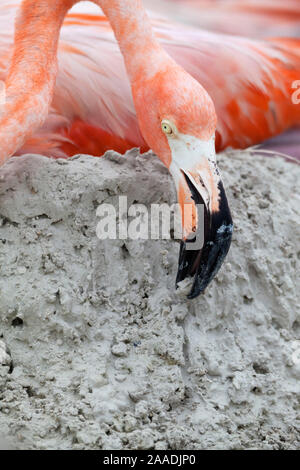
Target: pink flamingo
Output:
{"points": [[249, 82]]}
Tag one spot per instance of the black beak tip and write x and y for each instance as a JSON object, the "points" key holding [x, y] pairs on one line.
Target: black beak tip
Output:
{"points": [[214, 256], [204, 264]]}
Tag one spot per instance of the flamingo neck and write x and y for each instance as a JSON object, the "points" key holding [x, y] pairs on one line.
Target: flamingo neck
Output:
{"points": [[31, 77], [141, 51]]}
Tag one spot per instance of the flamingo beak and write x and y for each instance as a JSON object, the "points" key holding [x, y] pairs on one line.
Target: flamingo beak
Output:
{"points": [[203, 260]]}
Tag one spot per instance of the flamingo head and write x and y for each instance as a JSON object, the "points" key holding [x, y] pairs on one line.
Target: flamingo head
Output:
{"points": [[178, 121]]}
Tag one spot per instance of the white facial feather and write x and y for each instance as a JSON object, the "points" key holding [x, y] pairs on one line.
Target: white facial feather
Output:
{"points": [[188, 155]]}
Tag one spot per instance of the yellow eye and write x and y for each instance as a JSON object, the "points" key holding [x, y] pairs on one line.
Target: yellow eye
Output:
{"points": [[166, 127]]}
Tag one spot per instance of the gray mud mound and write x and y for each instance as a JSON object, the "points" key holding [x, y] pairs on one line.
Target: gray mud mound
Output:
{"points": [[99, 352]]}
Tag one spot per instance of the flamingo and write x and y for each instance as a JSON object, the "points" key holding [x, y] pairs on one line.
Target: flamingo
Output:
{"points": [[181, 80]]}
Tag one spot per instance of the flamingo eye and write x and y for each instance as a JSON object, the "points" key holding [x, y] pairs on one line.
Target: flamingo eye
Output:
{"points": [[167, 127]]}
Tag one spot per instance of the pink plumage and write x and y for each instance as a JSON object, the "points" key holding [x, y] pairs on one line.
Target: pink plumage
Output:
{"points": [[92, 108]]}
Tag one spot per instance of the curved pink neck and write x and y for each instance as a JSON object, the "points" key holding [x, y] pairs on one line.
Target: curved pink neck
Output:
{"points": [[31, 78]]}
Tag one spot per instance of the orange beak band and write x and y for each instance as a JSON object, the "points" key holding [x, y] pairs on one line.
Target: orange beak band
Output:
{"points": [[207, 233]]}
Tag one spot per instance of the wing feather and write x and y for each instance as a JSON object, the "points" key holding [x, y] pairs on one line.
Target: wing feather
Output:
{"points": [[250, 18], [92, 109]]}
